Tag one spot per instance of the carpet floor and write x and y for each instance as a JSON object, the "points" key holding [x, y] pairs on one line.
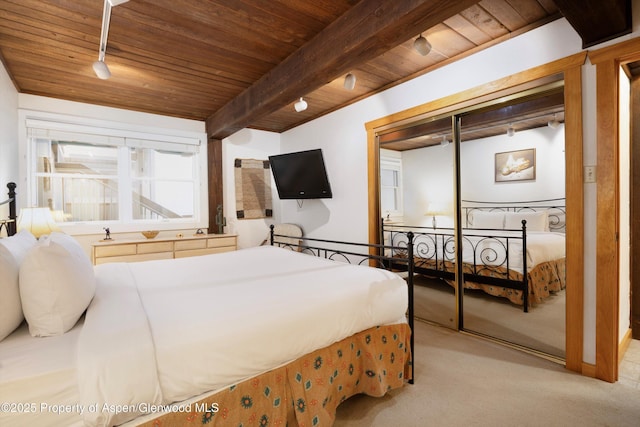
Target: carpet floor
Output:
{"points": [[462, 380], [542, 328]]}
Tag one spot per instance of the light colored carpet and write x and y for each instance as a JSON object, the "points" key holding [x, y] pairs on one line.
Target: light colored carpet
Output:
{"points": [[541, 329], [462, 380]]}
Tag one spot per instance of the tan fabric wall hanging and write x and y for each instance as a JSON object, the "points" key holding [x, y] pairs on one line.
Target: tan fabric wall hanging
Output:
{"points": [[253, 189]]}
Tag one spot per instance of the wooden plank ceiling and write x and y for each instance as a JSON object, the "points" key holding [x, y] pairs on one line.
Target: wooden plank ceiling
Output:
{"points": [[242, 63]]}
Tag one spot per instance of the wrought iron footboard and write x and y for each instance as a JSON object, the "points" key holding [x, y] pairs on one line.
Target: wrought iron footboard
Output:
{"points": [[488, 256], [380, 256]]}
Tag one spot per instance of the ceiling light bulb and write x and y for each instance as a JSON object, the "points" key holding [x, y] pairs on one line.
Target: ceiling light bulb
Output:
{"points": [[300, 105], [422, 45], [101, 70], [511, 131], [349, 81]]}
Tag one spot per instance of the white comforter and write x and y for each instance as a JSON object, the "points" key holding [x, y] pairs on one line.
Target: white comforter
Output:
{"points": [[162, 331]]}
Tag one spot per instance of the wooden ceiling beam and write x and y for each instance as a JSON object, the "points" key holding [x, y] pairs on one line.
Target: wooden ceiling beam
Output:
{"points": [[597, 21], [365, 31]]}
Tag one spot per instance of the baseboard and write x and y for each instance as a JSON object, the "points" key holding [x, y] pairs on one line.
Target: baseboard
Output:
{"points": [[588, 370], [624, 345]]}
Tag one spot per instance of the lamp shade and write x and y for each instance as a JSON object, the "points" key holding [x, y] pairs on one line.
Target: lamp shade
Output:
{"points": [[435, 209], [38, 221]]}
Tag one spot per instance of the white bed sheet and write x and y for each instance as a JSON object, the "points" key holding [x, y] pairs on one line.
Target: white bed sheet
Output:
{"points": [[38, 379], [215, 320]]}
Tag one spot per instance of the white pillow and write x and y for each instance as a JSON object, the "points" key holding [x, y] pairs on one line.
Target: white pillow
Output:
{"points": [[57, 284], [536, 221], [12, 253], [485, 219]]}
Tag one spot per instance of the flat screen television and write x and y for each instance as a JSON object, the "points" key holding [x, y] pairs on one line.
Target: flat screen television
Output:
{"points": [[301, 175]]}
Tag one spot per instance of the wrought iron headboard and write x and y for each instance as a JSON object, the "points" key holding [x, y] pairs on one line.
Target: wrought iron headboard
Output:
{"points": [[10, 223], [555, 209]]}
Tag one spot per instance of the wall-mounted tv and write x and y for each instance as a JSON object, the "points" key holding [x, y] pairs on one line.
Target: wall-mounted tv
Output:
{"points": [[301, 175]]}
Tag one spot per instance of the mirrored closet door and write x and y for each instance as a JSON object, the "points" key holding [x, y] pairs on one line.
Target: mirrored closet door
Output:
{"points": [[463, 183], [423, 155], [512, 207]]}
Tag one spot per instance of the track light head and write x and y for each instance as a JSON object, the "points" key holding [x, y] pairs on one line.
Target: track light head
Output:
{"points": [[301, 105], [422, 45], [101, 70], [349, 81], [553, 124], [100, 67], [511, 131]]}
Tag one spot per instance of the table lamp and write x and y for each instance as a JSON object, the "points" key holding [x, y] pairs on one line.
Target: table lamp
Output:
{"points": [[38, 221]]}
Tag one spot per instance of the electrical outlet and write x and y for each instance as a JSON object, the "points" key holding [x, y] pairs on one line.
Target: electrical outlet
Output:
{"points": [[589, 174]]}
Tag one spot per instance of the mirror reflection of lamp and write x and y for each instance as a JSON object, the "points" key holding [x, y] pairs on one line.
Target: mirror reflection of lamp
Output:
{"points": [[434, 209]]}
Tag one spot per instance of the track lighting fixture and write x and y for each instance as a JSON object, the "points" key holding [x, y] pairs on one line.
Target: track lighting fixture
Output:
{"points": [[510, 130], [422, 45], [100, 67], [553, 124], [301, 105], [444, 141], [349, 81]]}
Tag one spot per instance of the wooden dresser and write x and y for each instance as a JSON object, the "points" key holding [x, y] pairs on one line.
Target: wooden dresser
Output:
{"points": [[161, 248]]}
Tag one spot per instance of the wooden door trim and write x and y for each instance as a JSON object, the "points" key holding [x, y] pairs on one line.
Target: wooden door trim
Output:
{"points": [[635, 208], [571, 68], [607, 62]]}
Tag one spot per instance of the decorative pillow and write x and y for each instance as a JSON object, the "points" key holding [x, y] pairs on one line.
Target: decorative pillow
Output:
{"points": [[12, 253], [57, 284], [485, 219], [536, 221]]}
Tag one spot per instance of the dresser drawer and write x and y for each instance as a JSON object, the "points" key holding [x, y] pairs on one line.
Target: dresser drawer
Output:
{"points": [[154, 247], [184, 245], [221, 241], [135, 258], [194, 252], [115, 250]]}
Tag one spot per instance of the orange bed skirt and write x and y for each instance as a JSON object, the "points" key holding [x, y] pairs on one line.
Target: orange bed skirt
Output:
{"points": [[307, 391], [545, 279]]}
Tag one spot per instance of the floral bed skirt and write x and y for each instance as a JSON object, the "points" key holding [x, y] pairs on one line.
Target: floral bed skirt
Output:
{"points": [[307, 391]]}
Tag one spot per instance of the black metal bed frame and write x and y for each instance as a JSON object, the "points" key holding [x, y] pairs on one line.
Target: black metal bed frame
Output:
{"points": [[10, 223], [435, 248], [555, 209], [376, 256]]}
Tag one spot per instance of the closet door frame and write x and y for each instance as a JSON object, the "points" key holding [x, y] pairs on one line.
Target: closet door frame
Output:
{"points": [[570, 68]]}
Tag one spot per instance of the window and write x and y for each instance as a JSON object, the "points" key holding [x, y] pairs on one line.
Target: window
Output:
{"points": [[390, 183], [94, 177]]}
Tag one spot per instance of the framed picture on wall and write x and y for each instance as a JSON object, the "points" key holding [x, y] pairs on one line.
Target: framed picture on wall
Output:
{"points": [[519, 165]]}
